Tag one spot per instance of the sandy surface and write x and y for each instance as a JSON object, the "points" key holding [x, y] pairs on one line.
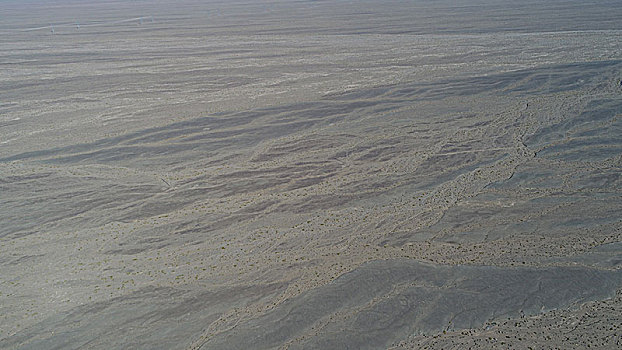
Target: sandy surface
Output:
{"points": [[314, 174]]}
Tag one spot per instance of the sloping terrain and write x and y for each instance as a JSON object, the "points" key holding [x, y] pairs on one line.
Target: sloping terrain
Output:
{"points": [[401, 175]]}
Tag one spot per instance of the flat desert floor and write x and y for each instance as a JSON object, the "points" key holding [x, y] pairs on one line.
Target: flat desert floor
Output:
{"points": [[310, 174]]}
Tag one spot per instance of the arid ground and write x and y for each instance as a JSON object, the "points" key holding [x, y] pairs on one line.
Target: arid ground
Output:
{"points": [[310, 174]]}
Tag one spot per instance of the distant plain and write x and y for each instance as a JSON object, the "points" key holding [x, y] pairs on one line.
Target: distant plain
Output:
{"points": [[310, 174]]}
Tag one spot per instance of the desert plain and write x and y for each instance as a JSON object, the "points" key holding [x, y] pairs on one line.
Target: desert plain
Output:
{"points": [[310, 174]]}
